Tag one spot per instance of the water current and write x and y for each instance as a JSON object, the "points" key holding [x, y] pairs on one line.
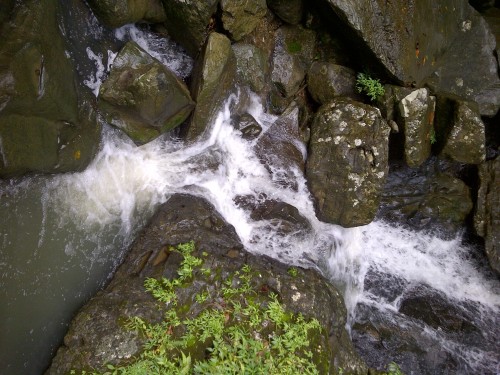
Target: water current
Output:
{"points": [[62, 236]]}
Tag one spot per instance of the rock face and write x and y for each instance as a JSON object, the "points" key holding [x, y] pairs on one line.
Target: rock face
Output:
{"points": [[142, 97], [213, 81], [252, 67], [240, 17], [290, 11], [47, 122], [347, 163], [118, 13], [326, 80], [93, 343], [487, 216]]}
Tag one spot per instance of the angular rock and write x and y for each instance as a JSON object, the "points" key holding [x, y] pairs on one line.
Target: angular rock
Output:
{"points": [[459, 129], [347, 163], [326, 80], [487, 215], [142, 97], [47, 122], [188, 22], [389, 102], [240, 17], [115, 13], [417, 120], [252, 67], [290, 11], [94, 342], [249, 127], [213, 81]]}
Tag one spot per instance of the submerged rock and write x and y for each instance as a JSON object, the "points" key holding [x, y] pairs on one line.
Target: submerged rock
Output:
{"points": [[347, 163], [97, 336], [114, 13], [142, 97], [47, 121]]}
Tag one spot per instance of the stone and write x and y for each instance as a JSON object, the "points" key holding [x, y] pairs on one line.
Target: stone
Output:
{"points": [[326, 80], [249, 127], [115, 13], [47, 122], [142, 97], [487, 215], [252, 67], [212, 82], [347, 163], [189, 22], [240, 17], [417, 120], [290, 11]]}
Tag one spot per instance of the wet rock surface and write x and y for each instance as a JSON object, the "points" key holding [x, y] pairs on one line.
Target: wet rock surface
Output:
{"points": [[118, 13], [326, 80], [240, 17]]}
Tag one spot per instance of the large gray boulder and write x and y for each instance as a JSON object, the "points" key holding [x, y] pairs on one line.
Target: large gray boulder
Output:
{"points": [[240, 17], [142, 97], [115, 13], [92, 343], [47, 121], [252, 66], [347, 163], [445, 44], [213, 81], [487, 215]]}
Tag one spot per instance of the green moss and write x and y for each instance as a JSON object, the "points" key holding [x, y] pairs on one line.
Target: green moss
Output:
{"points": [[293, 46]]}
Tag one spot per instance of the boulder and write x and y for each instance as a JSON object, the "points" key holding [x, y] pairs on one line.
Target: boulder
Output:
{"points": [[290, 11], [188, 22], [326, 80], [252, 66], [445, 44], [487, 215], [93, 343], [249, 127], [142, 97], [213, 81], [240, 17], [460, 132], [427, 197], [47, 121], [347, 163], [416, 112], [115, 14]]}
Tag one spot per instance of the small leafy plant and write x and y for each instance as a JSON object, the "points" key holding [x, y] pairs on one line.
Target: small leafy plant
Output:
{"points": [[369, 86]]}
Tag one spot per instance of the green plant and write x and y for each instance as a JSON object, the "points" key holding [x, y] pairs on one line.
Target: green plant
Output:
{"points": [[292, 271], [432, 136], [393, 369], [369, 86]]}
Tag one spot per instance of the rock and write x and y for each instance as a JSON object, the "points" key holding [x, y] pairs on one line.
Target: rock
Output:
{"points": [[142, 97], [290, 11], [93, 342], [252, 67], [460, 131], [240, 17], [389, 102], [426, 197], [487, 215], [417, 120], [326, 80], [347, 163], [115, 13], [249, 127], [213, 81], [446, 45], [188, 22], [47, 122]]}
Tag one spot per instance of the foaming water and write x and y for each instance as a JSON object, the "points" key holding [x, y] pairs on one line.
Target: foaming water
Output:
{"points": [[66, 234]]}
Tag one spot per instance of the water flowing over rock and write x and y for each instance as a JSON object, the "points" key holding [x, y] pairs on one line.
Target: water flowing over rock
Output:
{"points": [[188, 22], [142, 97], [326, 80], [213, 81], [118, 13], [347, 163], [240, 17], [487, 216], [93, 343], [290, 11], [47, 121]]}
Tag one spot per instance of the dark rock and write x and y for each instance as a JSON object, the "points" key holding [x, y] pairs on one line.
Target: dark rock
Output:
{"points": [[389, 102], [142, 97], [213, 81], [487, 215], [97, 337], [347, 162], [248, 126], [115, 13], [252, 66], [290, 11], [326, 80], [240, 17], [47, 122], [188, 22]]}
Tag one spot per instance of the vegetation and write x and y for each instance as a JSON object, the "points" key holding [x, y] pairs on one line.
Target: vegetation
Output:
{"points": [[369, 86], [433, 136], [237, 331]]}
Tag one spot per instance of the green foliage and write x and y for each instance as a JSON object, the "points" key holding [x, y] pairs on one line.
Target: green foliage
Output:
{"points": [[432, 136], [238, 331], [369, 86], [393, 369], [292, 271], [294, 46]]}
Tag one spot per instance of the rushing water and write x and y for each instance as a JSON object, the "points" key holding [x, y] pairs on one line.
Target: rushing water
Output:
{"points": [[62, 236]]}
